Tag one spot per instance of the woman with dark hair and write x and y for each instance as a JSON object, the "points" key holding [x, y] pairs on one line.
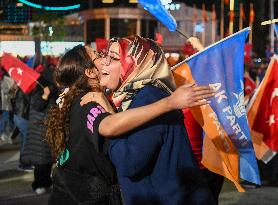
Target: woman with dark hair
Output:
{"points": [[84, 172]]}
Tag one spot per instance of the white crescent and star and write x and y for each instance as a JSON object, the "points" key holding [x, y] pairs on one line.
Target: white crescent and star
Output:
{"points": [[273, 95], [19, 72], [10, 71], [271, 120]]}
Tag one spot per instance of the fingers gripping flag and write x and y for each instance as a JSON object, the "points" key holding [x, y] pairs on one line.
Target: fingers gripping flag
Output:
{"points": [[24, 76], [221, 67]]}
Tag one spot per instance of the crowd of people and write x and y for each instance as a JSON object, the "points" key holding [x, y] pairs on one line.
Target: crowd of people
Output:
{"points": [[113, 128]]}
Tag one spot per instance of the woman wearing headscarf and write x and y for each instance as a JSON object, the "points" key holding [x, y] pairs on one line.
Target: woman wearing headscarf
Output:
{"points": [[154, 163], [84, 173]]}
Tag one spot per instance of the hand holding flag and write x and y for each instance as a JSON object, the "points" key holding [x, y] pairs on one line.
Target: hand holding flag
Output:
{"points": [[228, 147]]}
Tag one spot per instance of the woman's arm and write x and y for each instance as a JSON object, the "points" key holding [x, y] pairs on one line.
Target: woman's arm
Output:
{"points": [[184, 97]]}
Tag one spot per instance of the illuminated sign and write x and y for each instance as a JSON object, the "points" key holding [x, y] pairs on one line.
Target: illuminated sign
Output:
{"points": [[173, 7], [170, 6], [107, 1], [53, 8]]}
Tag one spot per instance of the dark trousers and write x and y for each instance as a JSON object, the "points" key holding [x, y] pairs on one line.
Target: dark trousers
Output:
{"points": [[215, 182], [269, 171], [42, 176]]}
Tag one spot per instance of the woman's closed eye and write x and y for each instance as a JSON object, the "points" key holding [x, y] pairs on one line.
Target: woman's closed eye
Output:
{"points": [[114, 58]]}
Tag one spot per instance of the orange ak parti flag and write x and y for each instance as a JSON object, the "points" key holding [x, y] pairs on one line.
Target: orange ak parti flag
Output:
{"points": [[227, 147], [223, 155], [262, 114]]}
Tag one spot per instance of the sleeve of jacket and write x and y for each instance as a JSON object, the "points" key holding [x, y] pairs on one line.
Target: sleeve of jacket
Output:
{"points": [[136, 154], [38, 103]]}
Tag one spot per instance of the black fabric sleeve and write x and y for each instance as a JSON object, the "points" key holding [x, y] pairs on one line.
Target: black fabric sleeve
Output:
{"points": [[92, 115], [38, 103]]}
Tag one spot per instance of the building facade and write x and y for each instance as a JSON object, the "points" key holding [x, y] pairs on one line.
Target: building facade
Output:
{"points": [[120, 21], [117, 19]]}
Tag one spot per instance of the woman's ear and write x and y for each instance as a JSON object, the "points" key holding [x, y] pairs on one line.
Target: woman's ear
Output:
{"points": [[90, 73]]}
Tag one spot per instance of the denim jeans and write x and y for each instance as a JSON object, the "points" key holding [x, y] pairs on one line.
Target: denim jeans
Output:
{"points": [[22, 125], [6, 125]]}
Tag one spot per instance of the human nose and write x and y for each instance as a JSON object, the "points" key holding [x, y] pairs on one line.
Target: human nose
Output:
{"points": [[105, 60]]}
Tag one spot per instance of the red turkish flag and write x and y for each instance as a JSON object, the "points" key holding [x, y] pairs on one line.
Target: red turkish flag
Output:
{"points": [[24, 76], [249, 85], [266, 120]]}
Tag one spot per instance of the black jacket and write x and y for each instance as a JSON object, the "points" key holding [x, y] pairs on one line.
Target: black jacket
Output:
{"points": [[37, 150], [22, 104]]}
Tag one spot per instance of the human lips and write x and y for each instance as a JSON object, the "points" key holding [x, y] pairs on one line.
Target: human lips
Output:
{"points": [[105, 72]]}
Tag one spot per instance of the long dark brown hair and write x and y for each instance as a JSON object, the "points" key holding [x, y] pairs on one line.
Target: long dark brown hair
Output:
{"points": [[69, 73]]}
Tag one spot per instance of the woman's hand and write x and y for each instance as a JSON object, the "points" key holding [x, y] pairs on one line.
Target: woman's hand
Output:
{"points": [[190, 95], [196, 44], [46, 93], [99, 98]]}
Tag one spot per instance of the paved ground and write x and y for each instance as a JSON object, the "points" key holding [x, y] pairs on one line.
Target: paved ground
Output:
{"points": [[257, 196], [15, 186]]}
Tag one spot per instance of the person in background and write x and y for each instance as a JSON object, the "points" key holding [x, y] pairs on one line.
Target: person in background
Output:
{"points": [[6, 122], [20, 119], [36, 150]]}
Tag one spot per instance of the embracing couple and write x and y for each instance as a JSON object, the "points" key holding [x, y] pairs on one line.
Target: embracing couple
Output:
{"points": [[135, 152]]}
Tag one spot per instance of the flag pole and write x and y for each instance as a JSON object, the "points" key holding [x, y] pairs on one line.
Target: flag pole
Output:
{"points": [[224, 39], [232, 16], [240, 16], [251, 20], [195, 18], [204, 24], [181, 33], [271, 27], [222, 20], [213, 24], [38, 83]]}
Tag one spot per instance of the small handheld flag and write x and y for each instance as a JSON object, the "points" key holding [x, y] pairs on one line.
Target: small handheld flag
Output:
{"points": [[224, 120], [263, 112], [156, 8], [24, 76]]}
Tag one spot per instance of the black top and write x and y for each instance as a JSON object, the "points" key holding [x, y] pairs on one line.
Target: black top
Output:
{"points": [[84, 169], [87, 149]]}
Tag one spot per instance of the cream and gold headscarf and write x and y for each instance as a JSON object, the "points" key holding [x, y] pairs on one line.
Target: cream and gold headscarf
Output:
{"points": [[150, 67]]}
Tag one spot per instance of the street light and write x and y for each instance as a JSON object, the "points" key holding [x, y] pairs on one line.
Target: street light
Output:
{"points": [[232, 16]]}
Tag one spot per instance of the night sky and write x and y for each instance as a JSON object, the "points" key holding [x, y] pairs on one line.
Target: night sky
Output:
{"points": [[261, 8]]}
